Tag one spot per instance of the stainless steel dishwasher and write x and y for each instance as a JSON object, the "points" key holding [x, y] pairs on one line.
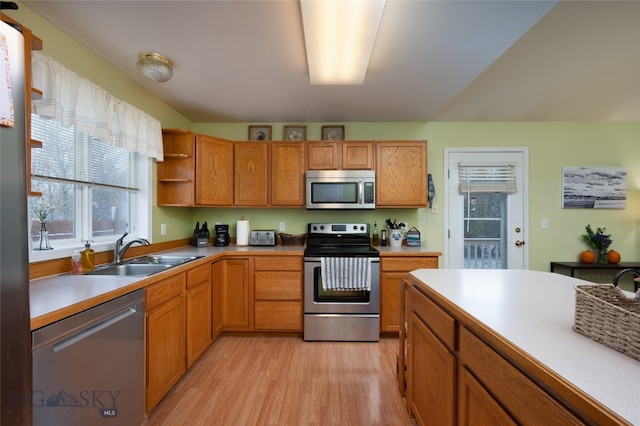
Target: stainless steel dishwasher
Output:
{"points": [[88, 369]]}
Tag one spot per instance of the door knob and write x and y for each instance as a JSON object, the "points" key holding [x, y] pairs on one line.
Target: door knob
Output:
{"points": [[519, 243]]}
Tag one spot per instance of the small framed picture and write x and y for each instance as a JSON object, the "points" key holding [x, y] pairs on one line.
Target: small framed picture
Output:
{"points": [[332, 133], [295, 133], [259, 133]]}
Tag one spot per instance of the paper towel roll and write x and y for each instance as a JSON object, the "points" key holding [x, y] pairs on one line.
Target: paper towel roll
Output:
{"points": [[242, 233]]}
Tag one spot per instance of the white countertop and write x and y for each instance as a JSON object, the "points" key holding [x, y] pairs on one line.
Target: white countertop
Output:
{"points": [[535, 311]]}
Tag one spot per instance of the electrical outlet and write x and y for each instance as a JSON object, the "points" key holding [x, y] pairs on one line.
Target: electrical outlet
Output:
{"points": [[281, 228], [544, 224], [163, 229], [434, 209]]}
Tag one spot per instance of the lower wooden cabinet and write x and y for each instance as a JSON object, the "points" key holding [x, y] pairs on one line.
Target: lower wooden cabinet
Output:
{"points": [[199, 303], [392, 271], [165, 340], [236, 295], [217, 277], [477, 406], [278, 293]]}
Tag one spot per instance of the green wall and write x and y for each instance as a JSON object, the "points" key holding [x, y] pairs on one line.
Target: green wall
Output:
{"points": [[551, 145]]}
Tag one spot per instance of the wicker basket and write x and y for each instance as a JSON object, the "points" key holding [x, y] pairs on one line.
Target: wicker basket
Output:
{"points": [[604, 314], [293, 240]]}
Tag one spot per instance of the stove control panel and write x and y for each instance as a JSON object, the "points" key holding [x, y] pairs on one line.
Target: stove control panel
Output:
{"points": [[339, 228]]}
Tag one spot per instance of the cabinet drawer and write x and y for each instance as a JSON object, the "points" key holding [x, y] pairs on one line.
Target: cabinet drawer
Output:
{"points": [[278, 285], [407, 264], [165, 290], [528, 403], [198, 275], [278, 315], [280, 263], [441, 323]]}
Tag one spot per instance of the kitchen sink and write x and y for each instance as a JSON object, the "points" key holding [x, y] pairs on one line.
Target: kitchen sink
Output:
{"points": [[161, 260], [144, 265], [128, 269]]}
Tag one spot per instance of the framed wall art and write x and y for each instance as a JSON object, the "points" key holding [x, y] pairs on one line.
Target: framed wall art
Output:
{"points": [[594, 187], [259, 133], [295, 133], [332, 133]]}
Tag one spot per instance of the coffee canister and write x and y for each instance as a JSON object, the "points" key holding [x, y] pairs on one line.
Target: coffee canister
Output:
{"points": [[413, 237]]}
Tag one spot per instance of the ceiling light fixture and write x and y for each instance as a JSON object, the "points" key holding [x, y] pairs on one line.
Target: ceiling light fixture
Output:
{"points": [[155, 67], [339, 37]]}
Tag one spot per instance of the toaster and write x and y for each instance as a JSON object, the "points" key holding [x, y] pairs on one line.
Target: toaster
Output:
{"points": [[262, 238]]}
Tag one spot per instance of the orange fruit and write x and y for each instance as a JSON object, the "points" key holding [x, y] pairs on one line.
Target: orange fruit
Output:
{"points": [[587, 256], [613, 256]]}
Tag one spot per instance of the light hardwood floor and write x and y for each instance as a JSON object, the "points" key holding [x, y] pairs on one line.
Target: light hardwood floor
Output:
{"points": [[282, 380]]}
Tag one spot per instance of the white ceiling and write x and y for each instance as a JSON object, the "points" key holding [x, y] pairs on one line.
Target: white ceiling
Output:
{"points": [[244, 61]]}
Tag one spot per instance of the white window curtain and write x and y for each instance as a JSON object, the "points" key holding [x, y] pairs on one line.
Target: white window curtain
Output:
{"points": [[483, 178], [75, 101]]}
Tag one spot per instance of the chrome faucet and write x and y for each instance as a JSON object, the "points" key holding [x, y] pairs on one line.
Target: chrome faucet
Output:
{"points": [[119, 249]]}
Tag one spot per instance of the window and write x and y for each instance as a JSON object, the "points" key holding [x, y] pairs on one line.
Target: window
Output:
{"points": [[93, 187]]}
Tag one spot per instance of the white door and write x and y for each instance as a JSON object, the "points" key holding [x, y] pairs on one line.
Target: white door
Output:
{"points": [[486, 229]]}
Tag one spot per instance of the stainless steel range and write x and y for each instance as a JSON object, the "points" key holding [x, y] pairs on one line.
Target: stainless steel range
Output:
{"points": [[341, 283]]}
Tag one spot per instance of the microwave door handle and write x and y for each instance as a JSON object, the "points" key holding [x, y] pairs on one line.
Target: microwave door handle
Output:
{"points": [[360, 192]]}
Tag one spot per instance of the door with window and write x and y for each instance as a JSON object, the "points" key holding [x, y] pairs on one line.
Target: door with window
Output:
{"points": [[485, 201]]}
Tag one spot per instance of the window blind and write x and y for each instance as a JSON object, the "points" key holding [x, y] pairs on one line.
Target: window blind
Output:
{"points": [[71, 156], [479, 177]]}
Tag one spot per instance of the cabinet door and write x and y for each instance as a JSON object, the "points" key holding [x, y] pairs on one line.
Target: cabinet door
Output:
{"points": [[476, 405], [401, 174], [250, 173], [217, 277], [287, 174], [433, 376], [236, 295], [389, 300], [357, 155], [214, 171], [324, 155], [198, 312], [165, 349]]}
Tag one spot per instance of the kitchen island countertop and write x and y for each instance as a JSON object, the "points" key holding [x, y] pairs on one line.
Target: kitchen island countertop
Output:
{"points": [[535, 311]]}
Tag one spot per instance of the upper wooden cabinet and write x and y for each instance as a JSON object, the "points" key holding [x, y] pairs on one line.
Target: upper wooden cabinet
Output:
{"points": [[197, 170], [176, 173], [341, 155], [401, 174], [250, 174], [288, 164], [214, 171]]}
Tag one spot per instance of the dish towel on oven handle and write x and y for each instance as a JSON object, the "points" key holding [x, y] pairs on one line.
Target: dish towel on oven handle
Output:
{"points": [[346, 273]]}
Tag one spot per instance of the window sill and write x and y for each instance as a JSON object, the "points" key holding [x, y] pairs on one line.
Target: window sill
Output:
{"points": [[66, 251]]}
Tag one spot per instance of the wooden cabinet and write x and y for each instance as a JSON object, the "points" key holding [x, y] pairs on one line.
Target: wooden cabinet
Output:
{"points": [[236, 295], [459, 371], [502, 384], [288, 164], [199, 304], [165, 337], [401, 174], [392, 271], [217, 278], [197, 170], [432, 364], [341, 155], [278, 293], [250, 174], [214, 171], [176, 173]]}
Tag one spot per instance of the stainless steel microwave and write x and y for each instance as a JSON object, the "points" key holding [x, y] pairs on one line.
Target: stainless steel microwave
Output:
{"points": [[341, 189]]}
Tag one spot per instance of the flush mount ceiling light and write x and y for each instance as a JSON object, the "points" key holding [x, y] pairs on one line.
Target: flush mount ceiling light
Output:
{"points": [[155, 67], [339, 37]]}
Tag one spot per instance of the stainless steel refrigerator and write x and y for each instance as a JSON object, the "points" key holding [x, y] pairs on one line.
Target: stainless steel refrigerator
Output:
{"points": [[15, 336]]}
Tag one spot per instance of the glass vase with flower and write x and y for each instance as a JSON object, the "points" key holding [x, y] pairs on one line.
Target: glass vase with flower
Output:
{"points": [[42, 210]]}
